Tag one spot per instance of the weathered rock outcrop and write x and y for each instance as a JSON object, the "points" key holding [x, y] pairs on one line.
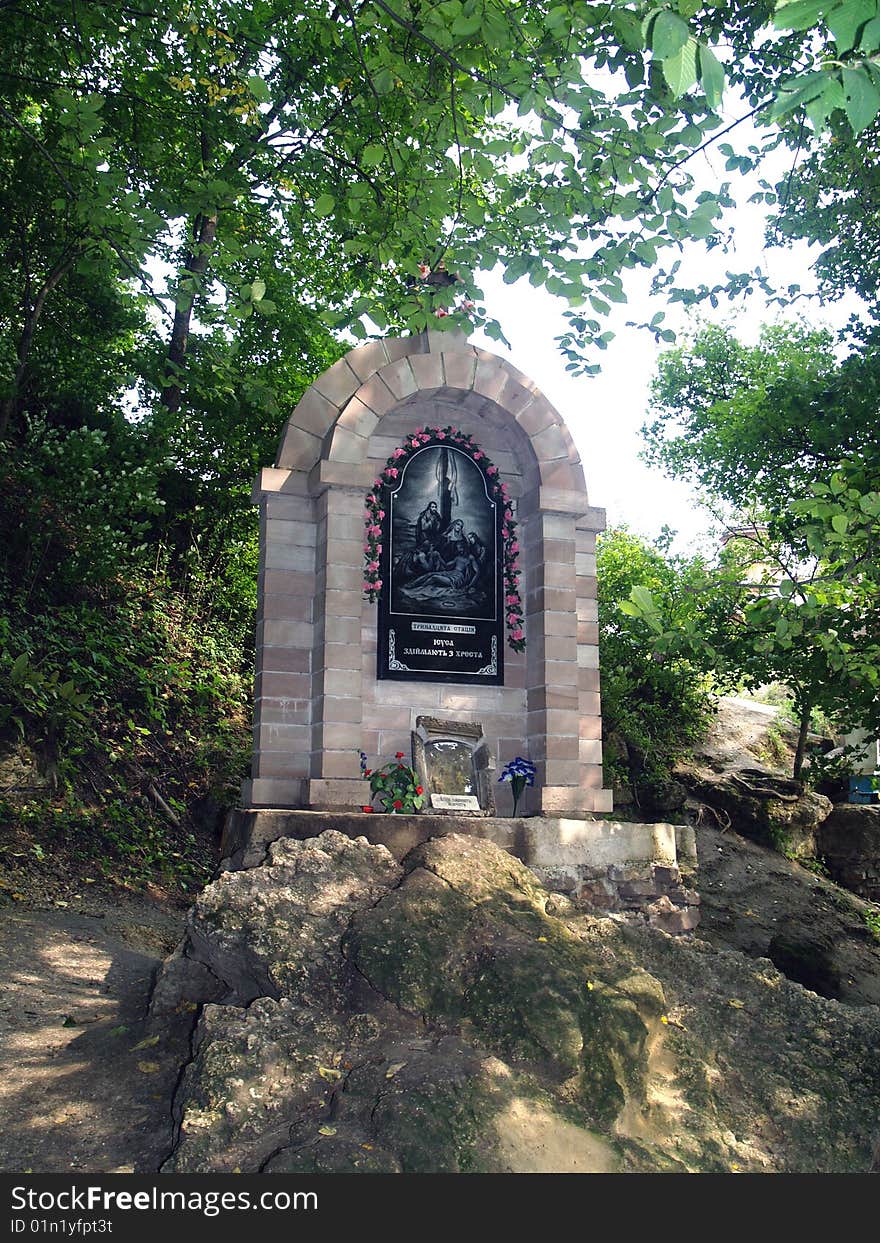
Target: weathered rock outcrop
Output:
{"points": [[756, 901], [452, 1015], [849, 844], [772, 810]]}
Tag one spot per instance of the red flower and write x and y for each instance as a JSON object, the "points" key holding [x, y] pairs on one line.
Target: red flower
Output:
{"points": [[366, 808], [367, 772], [397, 804], [419, 790], [398, 755]]}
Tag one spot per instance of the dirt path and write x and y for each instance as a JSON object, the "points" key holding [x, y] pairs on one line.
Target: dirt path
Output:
{"points": [[75, 1091]]}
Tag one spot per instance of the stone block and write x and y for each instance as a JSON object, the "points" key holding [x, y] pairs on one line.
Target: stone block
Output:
{"points": [[347, 445], [459, 368], [281, 507], [588, 633], [588, 656], [275, 685], [376, 394], [336, 708], [282, 711], [366, 360], [284, 659], [273, 633], [289, 608], [427, 370], [337, 383], [299, 449], [291, 764], [490, 377], [281, 556], [272, 792], [315, 413], [590, 750], [339, 735], [341, 682], [564, 624], [358, 418], [399, 378]]}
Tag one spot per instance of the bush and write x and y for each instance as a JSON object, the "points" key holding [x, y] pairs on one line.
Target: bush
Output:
{"points": [[657, 707]]}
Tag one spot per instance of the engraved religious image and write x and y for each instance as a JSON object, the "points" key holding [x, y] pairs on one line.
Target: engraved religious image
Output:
{"points": [[440, 614], [443, 538]]}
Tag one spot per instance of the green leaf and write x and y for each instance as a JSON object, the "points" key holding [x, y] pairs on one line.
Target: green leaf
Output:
{"points": [[643, 599], [711, 76], [840, 523], [799, 15], [372, 156], [324, 205], [861, 98], [258, 288], [846, 20], [669, 34], [259, 88], [680, 70]]}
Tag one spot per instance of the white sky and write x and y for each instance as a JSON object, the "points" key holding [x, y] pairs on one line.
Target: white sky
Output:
{"points": [[605, 413]]}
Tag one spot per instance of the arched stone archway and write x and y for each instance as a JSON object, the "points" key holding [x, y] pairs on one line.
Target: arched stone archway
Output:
{"points": [[318, 701]]}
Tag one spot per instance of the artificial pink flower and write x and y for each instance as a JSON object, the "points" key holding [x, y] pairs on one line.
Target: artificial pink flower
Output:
{"points": [[415, 444], [381, 514], [514, 547], [377, 584], [491, 470], [372, 566], [508, 600], [423, 436], [441, 435], [392, 472], [374, 530], [512, 619], [371, 500], [478, 454], [516, 634], [399, 453]]}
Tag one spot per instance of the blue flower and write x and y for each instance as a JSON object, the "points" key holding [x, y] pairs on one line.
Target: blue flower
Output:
{"points": [[521, 768]]}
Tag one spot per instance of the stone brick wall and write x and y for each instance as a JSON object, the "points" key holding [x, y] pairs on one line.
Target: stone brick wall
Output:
{"points": [[317, 697]]}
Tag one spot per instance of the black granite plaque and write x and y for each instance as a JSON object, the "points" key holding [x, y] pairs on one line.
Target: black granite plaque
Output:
{"points": [[440, 607]]}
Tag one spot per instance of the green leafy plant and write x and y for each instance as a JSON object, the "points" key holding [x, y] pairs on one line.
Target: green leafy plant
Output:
{"points": [[395, 784]]}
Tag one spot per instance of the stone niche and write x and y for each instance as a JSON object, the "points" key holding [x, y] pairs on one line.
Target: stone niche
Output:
{"points": [[454, 767], [319, 700]]}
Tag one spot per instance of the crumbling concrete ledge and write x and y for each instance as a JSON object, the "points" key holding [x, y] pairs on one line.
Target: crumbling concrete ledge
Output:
{"points": [[604, 865]]}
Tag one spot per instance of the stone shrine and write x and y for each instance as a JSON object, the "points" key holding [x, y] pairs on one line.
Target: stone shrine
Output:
{"points": [[324, 690]]}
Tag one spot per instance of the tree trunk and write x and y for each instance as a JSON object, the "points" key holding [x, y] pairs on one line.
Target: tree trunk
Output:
{"points": [[31, 319], [806, 709], [194, 268]]}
